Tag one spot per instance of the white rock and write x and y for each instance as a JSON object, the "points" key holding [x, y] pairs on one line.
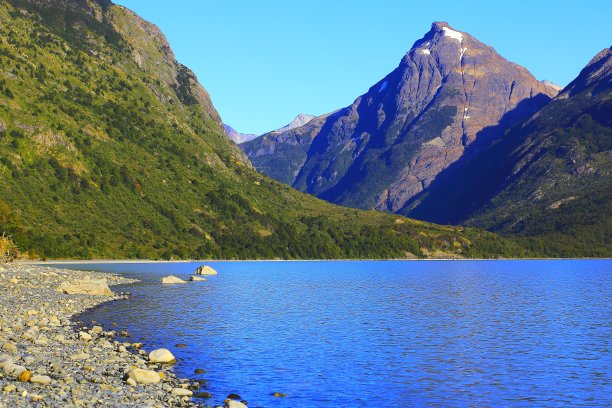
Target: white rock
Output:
{"points": [[234, 404], [86, 287], [9, 348], [172, 279], [162, 356], [131, 381], [197, 279], [181, 392], [12, 370], [84, 336], [141, 376], [79, 356], [205, 270], [40, 379]]}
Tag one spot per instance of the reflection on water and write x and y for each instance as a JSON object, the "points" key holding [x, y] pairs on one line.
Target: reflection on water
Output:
{"points": [[383, 334]]}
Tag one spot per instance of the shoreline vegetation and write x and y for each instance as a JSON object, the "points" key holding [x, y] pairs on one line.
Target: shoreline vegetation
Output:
{"points": [[49, 359]]}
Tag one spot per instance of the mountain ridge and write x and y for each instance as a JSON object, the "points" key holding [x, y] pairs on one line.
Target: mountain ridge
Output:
{"points": [[392, 142], [549, 178]]}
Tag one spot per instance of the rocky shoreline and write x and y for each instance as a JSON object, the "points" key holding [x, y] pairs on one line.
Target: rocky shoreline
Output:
{"points": [[47, 360]]}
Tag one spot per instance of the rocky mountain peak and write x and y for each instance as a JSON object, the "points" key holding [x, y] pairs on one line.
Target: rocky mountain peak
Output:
{"points": [[299, 120], [444, 29], [448, 91]]}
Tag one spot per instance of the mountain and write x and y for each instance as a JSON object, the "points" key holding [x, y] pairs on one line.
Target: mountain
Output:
{"points": [[237, 137], [299, 120], [549, 177], [449, 92], [110, 148]]}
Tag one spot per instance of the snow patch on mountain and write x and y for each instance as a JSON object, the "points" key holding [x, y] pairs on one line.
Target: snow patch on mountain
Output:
{"points": [[456, 35]]}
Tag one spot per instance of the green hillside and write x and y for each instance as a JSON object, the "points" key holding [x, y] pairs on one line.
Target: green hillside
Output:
{"points": [[111, 149]]}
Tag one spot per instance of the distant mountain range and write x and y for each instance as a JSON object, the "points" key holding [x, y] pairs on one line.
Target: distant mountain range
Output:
{"points": [[239, 138], [404, 146]]}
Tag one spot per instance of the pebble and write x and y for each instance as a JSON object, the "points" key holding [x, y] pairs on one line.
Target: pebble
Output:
{"points": [[9, 348], [141, 376], [84, 336], [9, 388], [79, 356], [40, 379], [181, 392]]}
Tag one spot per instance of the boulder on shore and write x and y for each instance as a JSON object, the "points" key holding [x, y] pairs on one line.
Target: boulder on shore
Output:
{"points": [[161, 356], [172, 279], [205, 270], [97, 287], [230, 403], [141, 376], [196, 278]]}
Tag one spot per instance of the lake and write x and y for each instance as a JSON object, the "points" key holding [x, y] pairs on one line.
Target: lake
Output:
{"points": [[380, 333]]}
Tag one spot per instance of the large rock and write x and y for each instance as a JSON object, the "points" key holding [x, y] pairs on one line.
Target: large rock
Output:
{"points": [[40, 379], [13, 370], [171, 280], [197, 279], [141, 376], [205, 270], [181, 392], [230, 403], [161, 356], [97, 287]]}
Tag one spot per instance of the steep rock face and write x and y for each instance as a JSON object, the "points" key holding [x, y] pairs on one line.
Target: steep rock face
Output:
{"points": [[390, 144], [549, 175]]}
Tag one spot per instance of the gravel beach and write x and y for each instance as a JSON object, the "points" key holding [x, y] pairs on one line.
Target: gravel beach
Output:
{"points": [[46, 360]]}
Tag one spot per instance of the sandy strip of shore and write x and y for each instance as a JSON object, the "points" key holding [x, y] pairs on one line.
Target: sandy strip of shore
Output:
{"points": [[71, 366]]}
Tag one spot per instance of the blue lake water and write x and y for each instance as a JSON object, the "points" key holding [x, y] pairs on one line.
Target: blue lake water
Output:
{"points": [[381, 334]]}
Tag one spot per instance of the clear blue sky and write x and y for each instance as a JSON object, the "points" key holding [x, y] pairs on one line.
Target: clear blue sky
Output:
{"points": [[265, 61]]}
